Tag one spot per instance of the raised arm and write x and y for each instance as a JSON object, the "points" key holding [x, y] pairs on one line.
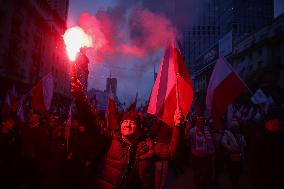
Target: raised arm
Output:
{"points": [[86, 113], [169, 151]]}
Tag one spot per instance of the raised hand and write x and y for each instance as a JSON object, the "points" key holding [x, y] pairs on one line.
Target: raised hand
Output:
{"points": [[178, 117]]}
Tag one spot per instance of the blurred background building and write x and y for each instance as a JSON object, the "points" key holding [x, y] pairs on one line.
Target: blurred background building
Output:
{"points": [[258, 58], [32, 45]]}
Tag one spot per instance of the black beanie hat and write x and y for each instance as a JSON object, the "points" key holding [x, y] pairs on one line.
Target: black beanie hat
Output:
{"points": [[134, 116]]}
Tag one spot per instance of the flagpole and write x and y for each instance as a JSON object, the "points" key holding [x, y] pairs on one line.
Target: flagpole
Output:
{"points": [[233, 70], [177, 92]]}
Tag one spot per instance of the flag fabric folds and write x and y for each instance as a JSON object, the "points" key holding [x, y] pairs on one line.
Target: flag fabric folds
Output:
{"points": [[42, 94], [111, 112], [172, 87], [223, 88], [132, 107]]}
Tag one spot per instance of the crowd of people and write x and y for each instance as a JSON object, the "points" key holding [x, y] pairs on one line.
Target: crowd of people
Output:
{"points": [[48, 151]]}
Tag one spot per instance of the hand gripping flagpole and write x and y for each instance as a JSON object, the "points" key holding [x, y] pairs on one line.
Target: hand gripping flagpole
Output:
{"points": [[173, 44], [177, 91]]}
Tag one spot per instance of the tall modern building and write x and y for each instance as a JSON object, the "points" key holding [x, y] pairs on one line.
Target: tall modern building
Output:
{"points": [[243, 16], [217, 18], [203, 32]]}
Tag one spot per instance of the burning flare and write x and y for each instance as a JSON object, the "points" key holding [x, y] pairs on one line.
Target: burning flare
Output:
{"points": [[75, 38]]}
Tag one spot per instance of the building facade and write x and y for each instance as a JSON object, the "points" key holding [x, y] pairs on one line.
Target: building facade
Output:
{"points": [[257, 58], [243, 17], [102, 96], [32, 46], [202, 33], [216, 18]]}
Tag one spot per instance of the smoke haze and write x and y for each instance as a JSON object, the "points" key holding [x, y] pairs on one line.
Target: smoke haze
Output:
{"points": [[129, 38]]}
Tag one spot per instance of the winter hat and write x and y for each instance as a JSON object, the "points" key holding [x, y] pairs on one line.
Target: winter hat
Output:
{"points": [[134, 116]]}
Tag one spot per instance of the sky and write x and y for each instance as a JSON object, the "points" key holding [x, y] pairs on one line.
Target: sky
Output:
{"points": [[77, 7], [124, 51], [134, 54], [100, 70]]}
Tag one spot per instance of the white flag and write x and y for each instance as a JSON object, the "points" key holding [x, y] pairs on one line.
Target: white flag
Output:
{"points": [[259, 97]]}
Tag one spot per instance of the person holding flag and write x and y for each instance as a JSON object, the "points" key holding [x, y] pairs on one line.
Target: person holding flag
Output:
{"points": [[172, 90], [128, 156]]}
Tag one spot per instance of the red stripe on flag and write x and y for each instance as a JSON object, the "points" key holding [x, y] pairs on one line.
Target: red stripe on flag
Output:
{"points": [[224, 87], [38, 98], [225, 93], [163, 100]]}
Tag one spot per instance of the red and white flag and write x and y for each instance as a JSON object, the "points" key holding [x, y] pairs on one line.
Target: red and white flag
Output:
{"points": [[224, 87], [172, 87], [111, 112], [42, 93], [132, 107]]}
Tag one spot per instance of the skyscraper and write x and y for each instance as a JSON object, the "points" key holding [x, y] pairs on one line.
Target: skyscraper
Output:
{"points": [[243, 16], [215, 18], [203, 32]]}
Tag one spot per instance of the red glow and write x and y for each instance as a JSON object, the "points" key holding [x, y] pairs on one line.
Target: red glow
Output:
{"points": [[75, 38], [126, 49]]}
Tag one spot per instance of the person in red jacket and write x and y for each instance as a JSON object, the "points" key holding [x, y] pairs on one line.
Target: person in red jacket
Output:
{"points": [[127, 160]]}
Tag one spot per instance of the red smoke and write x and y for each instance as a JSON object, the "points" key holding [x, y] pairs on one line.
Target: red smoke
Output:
{"points": [[150, 31], [138, 34]]}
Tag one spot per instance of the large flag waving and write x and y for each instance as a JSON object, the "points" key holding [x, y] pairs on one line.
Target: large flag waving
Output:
{"points": [[172, 85], [42, 93], [224, 87]]}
